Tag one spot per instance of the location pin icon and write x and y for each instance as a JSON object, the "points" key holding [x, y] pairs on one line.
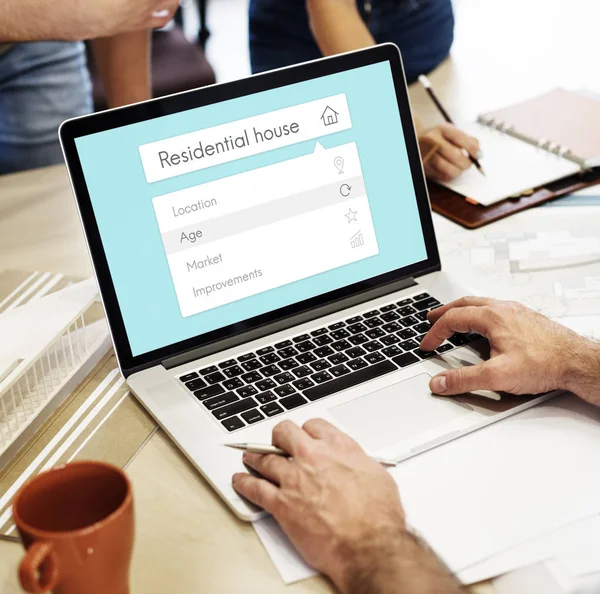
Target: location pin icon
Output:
{"points": [[339, 164]]}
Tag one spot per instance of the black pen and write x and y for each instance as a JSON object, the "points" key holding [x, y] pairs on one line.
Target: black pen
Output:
{"points": [[427, 86]]}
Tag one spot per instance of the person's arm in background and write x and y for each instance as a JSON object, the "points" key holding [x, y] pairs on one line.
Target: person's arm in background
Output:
{"points": [[123, 62], [338, 27]]}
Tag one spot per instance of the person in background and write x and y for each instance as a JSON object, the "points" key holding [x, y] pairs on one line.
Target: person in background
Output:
{"points": [[342, 510], [287, 32], [43, 73]]}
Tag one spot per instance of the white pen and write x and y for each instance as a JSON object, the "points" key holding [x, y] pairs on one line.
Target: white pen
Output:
{"points": [[258, 448]]}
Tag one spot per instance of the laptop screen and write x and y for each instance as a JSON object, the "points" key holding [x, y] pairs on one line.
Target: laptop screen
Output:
{"points": [[221, 213]]}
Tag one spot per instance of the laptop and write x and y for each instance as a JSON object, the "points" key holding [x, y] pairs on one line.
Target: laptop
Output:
{"points": [[265, 250]]}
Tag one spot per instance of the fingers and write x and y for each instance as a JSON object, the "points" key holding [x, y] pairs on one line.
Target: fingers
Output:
{"points": [[436, 314], [258, 491], [321, 429], [442, 169], [272, 467], [290, 438], [164, 13], [484, 376], [460, 139], [454, 155], [463, 319]]}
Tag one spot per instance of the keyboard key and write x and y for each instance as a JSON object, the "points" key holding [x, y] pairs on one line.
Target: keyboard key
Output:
{"points": [[288, 364], [338, 358], [341, 345], [319, 332], [422, 315], [232, 423], [390, 339], [372, 358], [232, 384], [389, 307], [270, 358], [372, 346], [349, 380], [321, 377], [358, 339], [356, 328], [251, 377], [235, 408], [421, 296], [265, 384], [339, 370], [233, 371], [375, 333], [408, 321], [246, 357], [252, 416], [420, 338], [409, 345], [284, 344], [215, 378], [284, 390], [425, 354], [391, 351], [405, 359], [251, 365], [269, 370], [227, 363], [336, 326], [305, 346], [371, 314], [356, 364], [304, 383], [406, 334], [423, 327], [354, 319], [284, 378], [355, 352], [271, 409], [247, 391], [339, 334], [293, 401], [406, 311], [445, 347], [472, 336], [458, 339], [208, 370], [324, 351], [391, 327], [288, 352], [265, 350], [301, 338], [390, 316], [221, 400], [404, 302], [306, 358], [320, 365], [209, 391], [373, 322], [188, 377], [426, 304], [265, 397], [323, 340], [195, 384], [302, 371]]}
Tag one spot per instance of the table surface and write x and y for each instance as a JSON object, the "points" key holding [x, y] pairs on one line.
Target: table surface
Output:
{"points": [[187, 541]]}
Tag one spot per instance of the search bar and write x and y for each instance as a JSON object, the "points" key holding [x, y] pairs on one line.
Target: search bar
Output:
{"points": [[243, 138]]}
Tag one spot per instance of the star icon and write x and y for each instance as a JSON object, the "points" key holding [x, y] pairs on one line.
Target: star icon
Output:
{"points": [[351, 215]]}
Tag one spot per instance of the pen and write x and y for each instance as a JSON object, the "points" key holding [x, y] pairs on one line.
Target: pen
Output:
{"points": [[427, 86], [257, 448]]}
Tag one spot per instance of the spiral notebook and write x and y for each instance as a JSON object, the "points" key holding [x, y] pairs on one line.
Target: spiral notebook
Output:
{"points": [[531, 144]]}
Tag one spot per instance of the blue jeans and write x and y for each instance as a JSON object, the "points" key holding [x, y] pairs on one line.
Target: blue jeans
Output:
{"points": [[41, 85], [423, 30]]}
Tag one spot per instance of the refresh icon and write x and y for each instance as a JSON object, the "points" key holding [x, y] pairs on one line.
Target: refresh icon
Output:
{"points": [[345, 190]]}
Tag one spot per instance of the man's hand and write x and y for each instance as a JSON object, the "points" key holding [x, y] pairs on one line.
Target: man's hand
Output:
{"points": [[73, 20], [530, 354], [342, 511], [449, 161]]}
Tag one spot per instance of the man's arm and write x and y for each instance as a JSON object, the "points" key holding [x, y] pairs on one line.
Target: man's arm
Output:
{"points": [[123, 62], [343, 513], [530, 354]]}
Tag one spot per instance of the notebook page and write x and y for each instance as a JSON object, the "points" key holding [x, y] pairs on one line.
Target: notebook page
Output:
{"points": [[511, 167]]}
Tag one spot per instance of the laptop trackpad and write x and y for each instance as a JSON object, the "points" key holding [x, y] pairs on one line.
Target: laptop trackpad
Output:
{"points": [[400, 411]]}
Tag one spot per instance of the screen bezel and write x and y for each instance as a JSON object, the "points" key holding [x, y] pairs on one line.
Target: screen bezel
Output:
{"points": [[107, 120]]}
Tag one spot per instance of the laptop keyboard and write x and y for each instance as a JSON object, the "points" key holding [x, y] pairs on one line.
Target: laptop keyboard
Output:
{"points": [[274, 379]]}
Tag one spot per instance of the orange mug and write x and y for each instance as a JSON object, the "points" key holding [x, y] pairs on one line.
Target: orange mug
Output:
{"points": [[76, 522]]}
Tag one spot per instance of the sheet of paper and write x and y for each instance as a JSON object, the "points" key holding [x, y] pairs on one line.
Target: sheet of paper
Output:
{"points": [[511, 167]]}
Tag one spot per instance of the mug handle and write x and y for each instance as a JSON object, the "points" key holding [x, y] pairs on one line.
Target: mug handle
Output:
{"points": [[38, 571]]}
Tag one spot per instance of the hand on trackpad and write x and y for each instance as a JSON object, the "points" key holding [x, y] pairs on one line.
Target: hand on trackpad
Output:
{"points": [[400, 411]]}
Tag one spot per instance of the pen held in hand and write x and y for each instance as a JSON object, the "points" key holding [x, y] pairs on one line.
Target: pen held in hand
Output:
{"points": [[429, 89], [257, 448]]}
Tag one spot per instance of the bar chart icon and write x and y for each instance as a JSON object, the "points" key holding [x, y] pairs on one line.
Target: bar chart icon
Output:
{"points": [[357, 240]]}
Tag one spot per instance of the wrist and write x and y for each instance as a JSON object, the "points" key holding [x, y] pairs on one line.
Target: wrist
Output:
{"points": [[582, 373]]}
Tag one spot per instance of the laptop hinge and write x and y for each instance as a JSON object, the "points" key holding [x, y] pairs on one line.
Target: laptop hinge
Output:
{"points": [[289, 322]]}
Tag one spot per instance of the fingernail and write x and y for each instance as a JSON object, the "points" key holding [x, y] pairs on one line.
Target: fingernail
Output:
{"points": [[160, 14], [245, 456], [479, 155], [438, 384], [236, 477]]}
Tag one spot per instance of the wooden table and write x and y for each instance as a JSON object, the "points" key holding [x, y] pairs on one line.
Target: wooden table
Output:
{"points": [[187, 541]]}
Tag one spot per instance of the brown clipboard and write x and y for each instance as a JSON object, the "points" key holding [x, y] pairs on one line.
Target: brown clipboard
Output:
{"points": [[472, 216]]}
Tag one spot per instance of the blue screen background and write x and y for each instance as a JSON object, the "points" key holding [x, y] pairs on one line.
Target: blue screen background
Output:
{"points": [[122, 202]]}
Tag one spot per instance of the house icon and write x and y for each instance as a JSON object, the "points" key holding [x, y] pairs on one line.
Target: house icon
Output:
{"points": [[330, 116]]}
